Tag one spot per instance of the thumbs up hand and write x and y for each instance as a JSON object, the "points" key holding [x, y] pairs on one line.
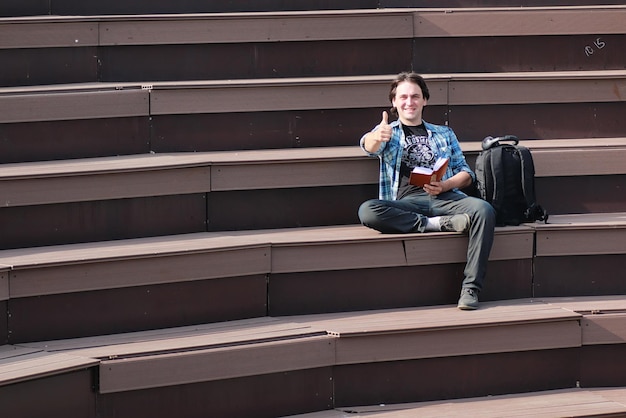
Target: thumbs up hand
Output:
{"points": [[373, 140], [383, 133]]}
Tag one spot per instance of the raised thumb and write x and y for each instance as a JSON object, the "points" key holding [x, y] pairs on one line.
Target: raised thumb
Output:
{"points": [[385, 118]]}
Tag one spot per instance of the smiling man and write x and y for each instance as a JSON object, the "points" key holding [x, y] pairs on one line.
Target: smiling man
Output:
{"points": [[402, 207]]}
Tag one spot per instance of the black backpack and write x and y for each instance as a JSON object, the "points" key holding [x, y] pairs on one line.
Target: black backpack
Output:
{"points": [[505, 177]]}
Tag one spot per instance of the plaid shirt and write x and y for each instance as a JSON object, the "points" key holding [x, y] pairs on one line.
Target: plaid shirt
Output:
{"points": [[390, 154]]}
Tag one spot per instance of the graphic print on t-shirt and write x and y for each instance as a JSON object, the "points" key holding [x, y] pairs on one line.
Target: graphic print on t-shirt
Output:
{"points": [[417, 149]]}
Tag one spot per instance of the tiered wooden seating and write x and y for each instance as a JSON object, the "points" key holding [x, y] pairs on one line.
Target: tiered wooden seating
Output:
{"points": [[311, 44], [345, 360], [182, 240]]}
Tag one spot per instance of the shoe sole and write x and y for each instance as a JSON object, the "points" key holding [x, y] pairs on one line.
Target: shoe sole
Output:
{"points": [[467, 307]]}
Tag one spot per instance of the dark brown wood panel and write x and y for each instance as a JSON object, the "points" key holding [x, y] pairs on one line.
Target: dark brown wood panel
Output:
{"points": [[580, 275], [65, 395], [112, 311], [454, 377], [519, 53], [264, 396], [603, 365], [352, 290], [55, 140], [4, 322], [265, 130], [581, 194], [72, 7], [56, 224], [10, 8], [492, 3], [39, 66], [286, 208], [254, 60], [385, 288], [539, 121]]}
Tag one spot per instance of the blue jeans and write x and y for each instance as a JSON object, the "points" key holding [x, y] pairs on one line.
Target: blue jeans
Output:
{"points": [[411, 213]]}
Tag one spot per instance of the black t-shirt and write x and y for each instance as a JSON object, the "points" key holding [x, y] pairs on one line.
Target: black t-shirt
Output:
{"points": [[418, 152]]}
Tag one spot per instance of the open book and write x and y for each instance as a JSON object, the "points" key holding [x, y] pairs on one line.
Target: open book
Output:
{"points": [[422, 175]]}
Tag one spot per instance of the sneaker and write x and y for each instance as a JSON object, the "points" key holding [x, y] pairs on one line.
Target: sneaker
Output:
{"points": [[468, 300], [455, 223]]}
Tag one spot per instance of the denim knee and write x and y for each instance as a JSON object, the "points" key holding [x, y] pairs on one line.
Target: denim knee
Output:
{"points": [[367, 213]]}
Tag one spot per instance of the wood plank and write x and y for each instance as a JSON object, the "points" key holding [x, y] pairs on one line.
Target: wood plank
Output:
{"points": [[526, 21], [78, 276], [604, 329], [434, 318], [204, 336], [75, 105], [276, 95], [584, 235], [13, 351], [574, 402], [163, 174], [128, 249], [267, 27], [104, 186], [40, 33], [316, 25], [436, 248], [580, 162], [40, 364], [296, 174], [337, 256], [564, 87], [589, 304], [4, 283], [207, 365], [459, 342]]}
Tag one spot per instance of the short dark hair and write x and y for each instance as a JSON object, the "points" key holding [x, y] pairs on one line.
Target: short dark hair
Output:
{"points": [[411, 77]]}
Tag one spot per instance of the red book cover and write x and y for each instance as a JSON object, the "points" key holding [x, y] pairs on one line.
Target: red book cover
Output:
{"points": [[422, 175]]}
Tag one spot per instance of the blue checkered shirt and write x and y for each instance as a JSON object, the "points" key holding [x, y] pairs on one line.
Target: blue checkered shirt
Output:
{"points": [[390, 153]]}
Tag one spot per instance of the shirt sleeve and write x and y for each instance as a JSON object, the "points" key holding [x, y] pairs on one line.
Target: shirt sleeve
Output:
{"points": [[457, 159]]}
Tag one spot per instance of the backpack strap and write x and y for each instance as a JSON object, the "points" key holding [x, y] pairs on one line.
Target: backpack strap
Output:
{"points": [[497, 173], [528, 175], [533, 211]]}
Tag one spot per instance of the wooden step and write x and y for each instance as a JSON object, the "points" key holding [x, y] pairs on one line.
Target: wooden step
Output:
{"points": [[97, 120], [288, 272], [116, 7], [309, 43], [138, 196], [577, 402], [406, 354], [145, 175]]}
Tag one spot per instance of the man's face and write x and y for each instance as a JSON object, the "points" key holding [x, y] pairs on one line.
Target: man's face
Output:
{"points": [[409, 102]]}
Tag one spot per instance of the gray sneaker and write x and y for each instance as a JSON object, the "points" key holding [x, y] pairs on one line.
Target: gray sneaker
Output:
{"points": [[455, 223], [468, 300]]}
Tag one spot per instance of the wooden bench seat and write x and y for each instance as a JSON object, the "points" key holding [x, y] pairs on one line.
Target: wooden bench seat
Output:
{"points": [[19, 364], [181, 173], [116, 99], [102, 48], [198, 6], [309, 25], [577, 402], [291, 188], [223, 276], [99, 120], [290, 271], [419, 347]]}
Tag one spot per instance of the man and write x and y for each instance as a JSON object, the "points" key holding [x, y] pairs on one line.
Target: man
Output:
{"points": [[439, 206]]}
